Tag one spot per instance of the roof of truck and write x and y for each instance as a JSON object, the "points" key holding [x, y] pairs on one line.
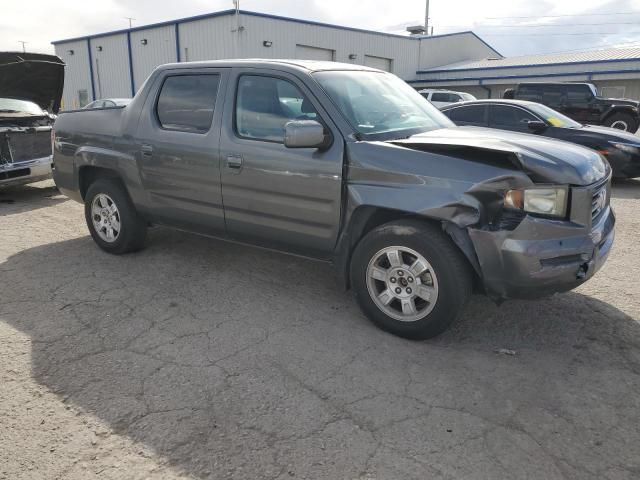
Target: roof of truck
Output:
{"points": [[289, 64]]}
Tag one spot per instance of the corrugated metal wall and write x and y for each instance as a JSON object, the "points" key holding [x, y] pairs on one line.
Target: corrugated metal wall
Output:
{"points": [[160, 48], [217, 37], [77, 82], [111, 66]]}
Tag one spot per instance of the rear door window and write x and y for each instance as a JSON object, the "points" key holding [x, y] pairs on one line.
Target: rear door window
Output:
{"points": [[530, 92], [471, 115], [554, 95], [186, 102], [441, 97]]}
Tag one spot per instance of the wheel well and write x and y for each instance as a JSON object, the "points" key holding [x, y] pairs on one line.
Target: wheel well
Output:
{"points": [[618, 111], [88, 175], [365, 219]]}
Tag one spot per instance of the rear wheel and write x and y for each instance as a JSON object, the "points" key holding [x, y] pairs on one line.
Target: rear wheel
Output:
{"points": [[622, 121], [112, 219], [410, 279]]}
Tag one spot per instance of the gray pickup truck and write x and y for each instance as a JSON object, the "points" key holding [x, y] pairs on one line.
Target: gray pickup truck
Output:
{"points": [[345, 164]]}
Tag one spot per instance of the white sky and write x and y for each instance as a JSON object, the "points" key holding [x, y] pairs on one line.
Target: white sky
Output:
{"points": [[38, 22]]}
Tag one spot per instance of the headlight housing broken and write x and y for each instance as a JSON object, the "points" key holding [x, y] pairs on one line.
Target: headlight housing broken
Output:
{"points": [[549, 201]]}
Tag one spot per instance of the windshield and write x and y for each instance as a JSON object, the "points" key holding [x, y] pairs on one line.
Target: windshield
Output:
{"points": [[467, 96], [11, 105], [380, 105], [552, 117]]}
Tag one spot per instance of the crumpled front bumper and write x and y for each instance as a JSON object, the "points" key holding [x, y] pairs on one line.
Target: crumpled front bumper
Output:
{"points": [[543, 256], [29, 171]]}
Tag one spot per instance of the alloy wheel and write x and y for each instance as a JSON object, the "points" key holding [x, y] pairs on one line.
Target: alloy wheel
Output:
{"points": [[402, 283]]}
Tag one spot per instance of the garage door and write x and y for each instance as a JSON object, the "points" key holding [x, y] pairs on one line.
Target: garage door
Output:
{"points": [[380, 63], [305, 52]]}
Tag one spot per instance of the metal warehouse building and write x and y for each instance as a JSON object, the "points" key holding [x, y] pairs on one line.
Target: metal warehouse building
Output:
{"points": [[115, 64], [616, 72]]}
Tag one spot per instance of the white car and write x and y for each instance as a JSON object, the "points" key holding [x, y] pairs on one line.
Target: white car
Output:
{"points": [[441, 98], [108, 103]]}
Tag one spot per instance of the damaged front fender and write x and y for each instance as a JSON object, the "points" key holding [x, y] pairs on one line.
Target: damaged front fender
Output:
{"points": [[464, 190]]}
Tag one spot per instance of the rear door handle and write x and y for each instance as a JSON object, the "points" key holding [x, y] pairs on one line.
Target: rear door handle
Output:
{"points": [[147, 150], [234, 162]]}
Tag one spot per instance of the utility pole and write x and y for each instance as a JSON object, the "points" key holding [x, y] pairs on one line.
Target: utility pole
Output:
{"points": [[24, 50], [130, 21], [426, 20]]}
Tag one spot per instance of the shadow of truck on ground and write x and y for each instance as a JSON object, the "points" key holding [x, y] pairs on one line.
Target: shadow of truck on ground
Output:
{"points": [[233, 362]]}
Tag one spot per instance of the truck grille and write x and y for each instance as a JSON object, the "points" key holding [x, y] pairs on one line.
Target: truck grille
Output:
{"points": [[599, 201], [22, 146]]}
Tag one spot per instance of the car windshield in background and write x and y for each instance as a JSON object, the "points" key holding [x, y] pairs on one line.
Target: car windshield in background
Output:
{"points": [[12, 105], [380, 105], [552, 117], [467, 97]]}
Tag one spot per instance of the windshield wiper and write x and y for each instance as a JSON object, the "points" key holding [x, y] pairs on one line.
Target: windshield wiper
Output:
{"points": [[9, 111]]}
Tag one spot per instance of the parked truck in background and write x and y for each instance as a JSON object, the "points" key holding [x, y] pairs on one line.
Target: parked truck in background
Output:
{"points": [[345, 164], [30, 94], [581, 102]]}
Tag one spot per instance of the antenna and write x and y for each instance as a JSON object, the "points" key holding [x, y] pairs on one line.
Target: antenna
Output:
{"points": [[24, 50], [131, 19]]}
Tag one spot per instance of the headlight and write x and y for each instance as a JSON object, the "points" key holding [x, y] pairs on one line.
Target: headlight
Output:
{"points": [[543, 200], [627, 147]]}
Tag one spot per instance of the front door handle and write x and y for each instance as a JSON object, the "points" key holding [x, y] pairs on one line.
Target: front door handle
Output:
{"points": [[234, 162], [147, 150]]}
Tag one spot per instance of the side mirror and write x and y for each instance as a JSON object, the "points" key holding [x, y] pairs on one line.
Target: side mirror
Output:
{"points": [[305, 134], [536, 126]]}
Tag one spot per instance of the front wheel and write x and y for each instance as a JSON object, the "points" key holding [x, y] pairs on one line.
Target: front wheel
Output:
{"points": [[410, 279], [622, 121], [112, 219]]}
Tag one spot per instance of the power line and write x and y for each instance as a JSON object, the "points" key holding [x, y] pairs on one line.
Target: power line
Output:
{"points": [[598, 47], [556, 34], [567, 15], [557, 25]]}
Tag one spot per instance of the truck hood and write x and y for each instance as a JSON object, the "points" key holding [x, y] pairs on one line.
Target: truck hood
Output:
{"points": [[543, 159], [608, 133], [34, 77], [619, 101]]}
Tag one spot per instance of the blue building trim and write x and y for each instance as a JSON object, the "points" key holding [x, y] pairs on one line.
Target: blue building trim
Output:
{"points": [[274, 17], [133, 83], [177, 32], [533, 65], [93, 85], [588, 74]]}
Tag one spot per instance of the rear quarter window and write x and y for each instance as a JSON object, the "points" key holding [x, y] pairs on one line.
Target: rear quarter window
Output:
{"points": [[530, 92], [442, 97], [186, 102]]}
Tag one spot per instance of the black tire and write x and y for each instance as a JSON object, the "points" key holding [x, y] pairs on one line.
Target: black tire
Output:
{"points": [[451, 269], [622, 121], [133, 229]]}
